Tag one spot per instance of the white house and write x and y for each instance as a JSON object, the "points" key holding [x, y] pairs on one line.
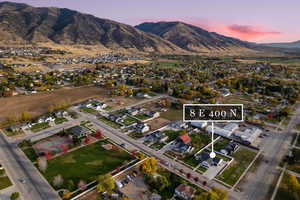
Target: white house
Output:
{"points": [[199, 124]]}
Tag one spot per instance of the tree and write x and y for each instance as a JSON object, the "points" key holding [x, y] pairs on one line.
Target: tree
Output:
{"points": [[58, 180], [42, 163], [161, 183], [105, 183], [67, 194], [71, 185], [149, 165], [25, 116], [293, 186], [14, 196]]}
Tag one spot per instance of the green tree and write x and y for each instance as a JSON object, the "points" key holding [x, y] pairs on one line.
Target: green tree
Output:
{"points": [[149, 166], [14, 196], [105, 183]]}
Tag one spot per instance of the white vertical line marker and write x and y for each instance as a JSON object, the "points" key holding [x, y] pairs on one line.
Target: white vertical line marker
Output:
{"points": [[212, 137]]}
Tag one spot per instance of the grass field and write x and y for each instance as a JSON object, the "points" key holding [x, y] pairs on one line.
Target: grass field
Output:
{"points": [[172, 114], [110, 123], [242, 158], [86, 163], [295, 167], [60, 120], [87, 110], [39, 126], [4, 180]]}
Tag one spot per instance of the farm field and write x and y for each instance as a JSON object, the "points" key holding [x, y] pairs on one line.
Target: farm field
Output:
{"points": [[39, 103]]}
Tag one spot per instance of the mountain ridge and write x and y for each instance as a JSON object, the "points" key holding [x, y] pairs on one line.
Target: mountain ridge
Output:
{"points": [[191, 37]]}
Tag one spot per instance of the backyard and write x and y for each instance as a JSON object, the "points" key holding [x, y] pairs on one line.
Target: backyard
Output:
{"points": [[242, 158]]}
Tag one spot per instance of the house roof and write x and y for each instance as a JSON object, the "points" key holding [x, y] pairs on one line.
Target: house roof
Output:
{"points": [[185, 138], [186, 190], [78, 130]]}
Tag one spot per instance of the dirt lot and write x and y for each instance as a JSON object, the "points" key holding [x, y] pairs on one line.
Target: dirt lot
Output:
{"points": [[38, 104], [157, 123]]}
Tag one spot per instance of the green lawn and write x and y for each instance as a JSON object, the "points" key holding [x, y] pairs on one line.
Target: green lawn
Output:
{"points": [[157, 145], [243, 157], [135, 135], [60, 120], [190, 160], [220, 144], [87, 110], [295, 167], [86, 163], [172, 135], [110, 123], [4, 180], [172, 114], [142, 116], [200, 140], [39, 126], [128, 121], [30, 153]]}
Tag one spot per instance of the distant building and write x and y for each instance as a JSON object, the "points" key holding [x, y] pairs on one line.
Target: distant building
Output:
{"points": [[248, 135], [219, 131]]}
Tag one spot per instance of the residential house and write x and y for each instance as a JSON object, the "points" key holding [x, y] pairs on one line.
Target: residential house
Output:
{"points": [[156, 136], [185, 192], [61, 113], [229, 148], [185, 139], [142, 127], [153, 114], [178, 125], [182, 144], [80, 131]]}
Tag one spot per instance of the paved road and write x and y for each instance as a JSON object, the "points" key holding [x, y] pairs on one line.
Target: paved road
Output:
{"points": [[132, 144], [273, 150], [19, 167]]}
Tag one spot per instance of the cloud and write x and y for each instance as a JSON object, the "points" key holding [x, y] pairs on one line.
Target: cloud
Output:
{"points": [[246, 32]]}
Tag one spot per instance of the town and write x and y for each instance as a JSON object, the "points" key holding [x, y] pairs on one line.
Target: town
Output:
{"points": [[137, 127]]}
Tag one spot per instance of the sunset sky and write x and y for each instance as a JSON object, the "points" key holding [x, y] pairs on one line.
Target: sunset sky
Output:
{"points": [[251, 20]]}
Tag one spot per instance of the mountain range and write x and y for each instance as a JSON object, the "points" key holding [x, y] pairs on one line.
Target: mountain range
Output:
{"points": [[284, 45], [22, 23]]}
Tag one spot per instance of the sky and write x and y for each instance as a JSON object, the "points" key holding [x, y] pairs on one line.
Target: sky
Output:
{"points": [[259, 21]]}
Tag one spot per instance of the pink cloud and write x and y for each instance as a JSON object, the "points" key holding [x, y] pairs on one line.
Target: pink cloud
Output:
{"points": [[246, 32]]}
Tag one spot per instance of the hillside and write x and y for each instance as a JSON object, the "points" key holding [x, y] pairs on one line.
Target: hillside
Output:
{"points": [[192, 38], [284, 45], [20, 23]]}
